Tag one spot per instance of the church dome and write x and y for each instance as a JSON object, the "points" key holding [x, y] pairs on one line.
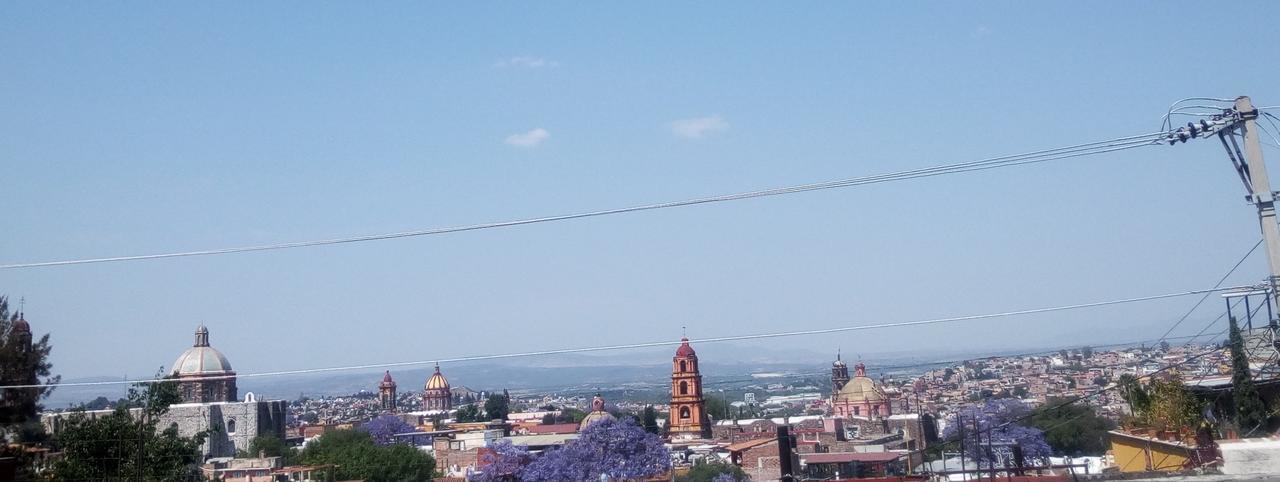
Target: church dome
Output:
{"points": [[860, 389], [201, 359], [597, 413], [685, 350], [437, 381], [21, 326]]}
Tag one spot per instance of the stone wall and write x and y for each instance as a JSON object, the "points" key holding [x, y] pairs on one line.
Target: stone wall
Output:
{"points": [[233, 425]]}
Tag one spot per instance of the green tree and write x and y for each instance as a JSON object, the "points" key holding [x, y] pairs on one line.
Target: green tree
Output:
{"points": [[24, 360], [1172, 407], [650, 420], [1251, 411], [1136, 396], [717, 408], [1086, 352], [709, 471], [1072, 429], [268, 446], [359, 458], [497, 407], [124, 445], [469, 413]]}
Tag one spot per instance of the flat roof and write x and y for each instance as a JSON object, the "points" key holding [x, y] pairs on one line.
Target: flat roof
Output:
{"points": [[845, 457]]}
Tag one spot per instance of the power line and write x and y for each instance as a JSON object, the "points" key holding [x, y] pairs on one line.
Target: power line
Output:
{"points": [[933, 321], [1206, 295], [1078, 150]]}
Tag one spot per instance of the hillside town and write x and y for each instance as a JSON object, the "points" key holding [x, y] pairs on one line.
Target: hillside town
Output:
{"points": [[860, 426], [711, 241]]}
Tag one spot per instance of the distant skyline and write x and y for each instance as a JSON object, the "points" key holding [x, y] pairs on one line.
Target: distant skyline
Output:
{"points": [[175, 127]]}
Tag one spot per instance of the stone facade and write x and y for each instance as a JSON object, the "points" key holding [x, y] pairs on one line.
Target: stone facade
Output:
{"points": [[233, 425]]}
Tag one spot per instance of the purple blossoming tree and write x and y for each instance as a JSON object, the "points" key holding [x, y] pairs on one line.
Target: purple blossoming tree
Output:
{"points": [[382, 427], [505, 463], [614, 449], [998, 435]]}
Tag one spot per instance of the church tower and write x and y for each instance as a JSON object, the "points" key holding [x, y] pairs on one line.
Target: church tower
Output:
{"points": [[688, 418], [839, 375], [387, 393], [22, 331]]}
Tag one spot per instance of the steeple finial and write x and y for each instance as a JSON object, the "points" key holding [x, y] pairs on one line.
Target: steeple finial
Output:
{"points": [[837, 354]]}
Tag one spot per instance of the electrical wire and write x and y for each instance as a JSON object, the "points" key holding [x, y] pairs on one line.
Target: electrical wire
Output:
{"points": [[1078, 150], [1171, 109], [1206, 295], [953, 319]]}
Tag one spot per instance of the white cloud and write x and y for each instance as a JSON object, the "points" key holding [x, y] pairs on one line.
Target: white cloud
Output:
{"points": [[528, 139], [699, 127], [526, 61]]}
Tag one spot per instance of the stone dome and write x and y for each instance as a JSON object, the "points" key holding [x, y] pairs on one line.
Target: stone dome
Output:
{"points": [[201, 359]]}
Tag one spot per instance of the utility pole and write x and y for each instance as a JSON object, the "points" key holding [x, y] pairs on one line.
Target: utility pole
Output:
{"points": [[1242, 118], [1261, 194]]}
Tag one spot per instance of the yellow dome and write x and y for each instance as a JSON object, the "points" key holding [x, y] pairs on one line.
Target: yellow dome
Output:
{"points": [[594, 417], [437, 381], [860, 389]]}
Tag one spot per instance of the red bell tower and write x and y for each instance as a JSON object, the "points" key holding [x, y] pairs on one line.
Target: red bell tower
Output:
{"points": [[688, 418]]}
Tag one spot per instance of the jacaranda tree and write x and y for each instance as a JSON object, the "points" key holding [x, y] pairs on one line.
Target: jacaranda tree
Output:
{"points": [[616, 450], [383, 428], [999, 427], [504, 462]]}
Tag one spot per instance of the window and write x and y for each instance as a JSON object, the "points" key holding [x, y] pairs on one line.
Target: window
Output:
{"points": [[684, 388], [231, 426], [684, 412], [857, 410], [683, 366]]}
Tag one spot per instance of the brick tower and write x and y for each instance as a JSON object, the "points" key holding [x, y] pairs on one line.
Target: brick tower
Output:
{"points": [[688, 418]]}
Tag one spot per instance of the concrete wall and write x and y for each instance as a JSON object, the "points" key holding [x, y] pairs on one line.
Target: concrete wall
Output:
{"points": [[1250, 456]]}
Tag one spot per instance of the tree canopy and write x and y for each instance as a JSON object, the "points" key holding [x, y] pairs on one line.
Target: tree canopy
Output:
{"points": [[124, 445], [1001, 424], [21, 365], [1072, 429], [1251, 411], [713, 472], [359, 458], [383, 428], [497, 406], [469, 413], [618, 449]]}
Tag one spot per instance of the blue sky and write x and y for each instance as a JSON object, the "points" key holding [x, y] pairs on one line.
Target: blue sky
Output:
{"points": [[163, 127]]}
